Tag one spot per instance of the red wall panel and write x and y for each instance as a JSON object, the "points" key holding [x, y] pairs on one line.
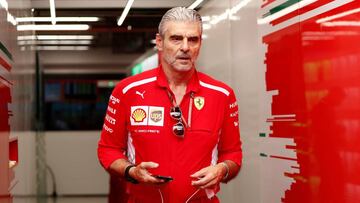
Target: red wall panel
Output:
{"points": [[316, 69]]}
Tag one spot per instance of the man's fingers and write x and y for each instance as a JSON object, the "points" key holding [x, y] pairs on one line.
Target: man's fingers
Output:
{"points": [[206, 182], [198, 182], [199, 174], [202, 181], [151, 179], [207, 177], [210, 184], [143, 174]]}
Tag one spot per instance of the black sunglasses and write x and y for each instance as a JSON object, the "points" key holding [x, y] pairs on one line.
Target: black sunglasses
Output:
{"points": [[178, 128]]}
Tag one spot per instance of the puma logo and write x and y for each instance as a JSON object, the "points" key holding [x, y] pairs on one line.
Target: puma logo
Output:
{"points": [[141, 94]]}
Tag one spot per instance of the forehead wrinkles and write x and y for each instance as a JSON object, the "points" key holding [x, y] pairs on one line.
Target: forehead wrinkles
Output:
{"points": [[182, 28]]}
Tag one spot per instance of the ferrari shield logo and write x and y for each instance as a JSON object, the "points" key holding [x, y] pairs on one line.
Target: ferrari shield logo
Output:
{"points": [[199, 102]]}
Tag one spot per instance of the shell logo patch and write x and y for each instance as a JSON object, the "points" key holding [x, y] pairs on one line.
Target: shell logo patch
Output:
{"points": [[147, 116], [138, 115]]}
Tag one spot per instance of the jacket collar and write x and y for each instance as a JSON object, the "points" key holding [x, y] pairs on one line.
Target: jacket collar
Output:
{"points": [[192, 86]]}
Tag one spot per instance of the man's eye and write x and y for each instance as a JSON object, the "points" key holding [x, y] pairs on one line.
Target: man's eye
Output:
{"points": [[176, 38], [193, 39]]}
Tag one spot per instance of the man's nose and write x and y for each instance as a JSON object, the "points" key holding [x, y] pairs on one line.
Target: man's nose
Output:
{"points": [[185, 45]]}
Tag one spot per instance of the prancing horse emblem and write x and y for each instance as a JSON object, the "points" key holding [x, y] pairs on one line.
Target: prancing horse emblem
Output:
{"points": [[199, 102]]}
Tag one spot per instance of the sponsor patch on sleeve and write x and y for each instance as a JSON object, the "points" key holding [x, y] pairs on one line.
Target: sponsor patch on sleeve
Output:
{"points": [[111, 110], [233, 105], [110, 119], [105, 127], [114, 100], [234, 114]]}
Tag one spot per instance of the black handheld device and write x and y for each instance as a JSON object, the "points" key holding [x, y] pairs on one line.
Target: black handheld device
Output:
{"points": [[166, 178]]}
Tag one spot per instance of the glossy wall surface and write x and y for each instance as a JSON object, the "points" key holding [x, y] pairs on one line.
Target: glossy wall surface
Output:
{"points": [[16, 94], [295, 67]]}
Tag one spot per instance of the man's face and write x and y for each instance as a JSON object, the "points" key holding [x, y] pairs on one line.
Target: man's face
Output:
{"points": [[180, 44]]}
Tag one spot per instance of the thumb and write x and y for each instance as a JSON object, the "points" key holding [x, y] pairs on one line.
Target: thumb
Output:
{"points": [[146, 165]]}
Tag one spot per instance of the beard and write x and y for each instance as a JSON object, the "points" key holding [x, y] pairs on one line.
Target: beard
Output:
{"points": [[181, 62]]}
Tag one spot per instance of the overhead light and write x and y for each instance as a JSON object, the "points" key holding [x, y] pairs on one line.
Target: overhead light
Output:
{"points": [[239, 6], [205, 18], [206, 26], [57, 19], [11, 19], [221, 17], [4, 4], [55, 37], [346, 13], [227, 14], [53, 27], [60, 48], [285, 11], [341, 23], [65, 37], [195, 4], [55, 42], [26, 37], [234, 18], [125, 12], [52, 12]]}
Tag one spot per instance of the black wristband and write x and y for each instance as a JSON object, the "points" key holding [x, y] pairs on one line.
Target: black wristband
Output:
{"points": [[127, 175]]}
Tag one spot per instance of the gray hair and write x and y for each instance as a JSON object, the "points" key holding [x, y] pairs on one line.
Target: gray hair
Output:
{"points": [[179, 14]]}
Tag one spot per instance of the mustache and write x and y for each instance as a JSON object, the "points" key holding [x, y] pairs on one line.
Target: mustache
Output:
{"points": [[183, 56]]}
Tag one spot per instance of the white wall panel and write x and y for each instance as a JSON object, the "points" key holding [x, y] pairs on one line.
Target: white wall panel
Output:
{"points": [[231, 54], [71, 155], [215, 56], [73, 158]]}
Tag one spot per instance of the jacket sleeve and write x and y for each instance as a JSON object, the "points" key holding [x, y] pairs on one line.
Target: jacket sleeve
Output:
{"points": [[113, 141], [229, 147]]}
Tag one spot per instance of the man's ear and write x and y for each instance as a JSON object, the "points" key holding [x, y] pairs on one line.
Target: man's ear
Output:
{"points": [[159, 42]]}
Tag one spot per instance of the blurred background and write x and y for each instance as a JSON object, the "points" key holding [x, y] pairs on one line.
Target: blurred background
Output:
{"points": [[294, 67]]}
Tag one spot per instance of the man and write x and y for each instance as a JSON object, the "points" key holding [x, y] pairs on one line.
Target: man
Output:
{"points": [[173, 121]]}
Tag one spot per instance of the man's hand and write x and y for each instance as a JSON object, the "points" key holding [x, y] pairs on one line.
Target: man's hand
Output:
{"points": [[209, 177], [141, 174]]}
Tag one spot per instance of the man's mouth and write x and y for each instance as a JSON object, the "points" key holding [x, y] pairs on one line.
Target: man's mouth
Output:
{"points": [[183, 58]]}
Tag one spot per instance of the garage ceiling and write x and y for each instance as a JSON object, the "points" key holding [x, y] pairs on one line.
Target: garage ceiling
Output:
{"points": [[135, 34], [113, 48]]}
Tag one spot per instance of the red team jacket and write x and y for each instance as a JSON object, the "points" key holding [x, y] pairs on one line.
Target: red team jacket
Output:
{"points": [[138, 127]]}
